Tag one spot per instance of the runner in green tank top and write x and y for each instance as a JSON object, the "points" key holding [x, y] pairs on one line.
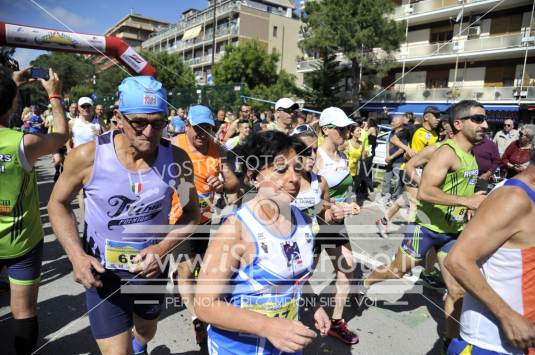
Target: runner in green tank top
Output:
{"points": [[445, 194], [21, 232]]}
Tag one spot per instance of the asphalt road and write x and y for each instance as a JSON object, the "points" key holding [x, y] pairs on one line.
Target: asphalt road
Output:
{"points": [[400, 318]]}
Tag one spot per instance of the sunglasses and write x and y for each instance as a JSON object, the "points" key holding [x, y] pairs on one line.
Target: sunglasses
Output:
{"points": [[302, 129], [339, 129], [139, 124], [86, 106], [308, 152], [508, 125], [475, 118], [287, 110]]}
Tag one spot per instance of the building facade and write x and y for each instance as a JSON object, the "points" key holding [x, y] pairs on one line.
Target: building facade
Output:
{"points": [[133, 29], [460, 49], [271, 22]]}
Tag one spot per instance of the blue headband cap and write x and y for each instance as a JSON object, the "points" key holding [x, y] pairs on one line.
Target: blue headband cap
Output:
{"points": [[142, 94]]}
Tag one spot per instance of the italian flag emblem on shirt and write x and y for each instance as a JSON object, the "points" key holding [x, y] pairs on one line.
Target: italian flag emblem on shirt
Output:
{"points": [[136, 188]]}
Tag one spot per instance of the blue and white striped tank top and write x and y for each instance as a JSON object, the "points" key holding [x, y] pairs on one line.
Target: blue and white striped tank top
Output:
{"points": [[271, 284]]}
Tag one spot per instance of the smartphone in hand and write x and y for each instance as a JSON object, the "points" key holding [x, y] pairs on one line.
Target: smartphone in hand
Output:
{"points": [[39, 73]]}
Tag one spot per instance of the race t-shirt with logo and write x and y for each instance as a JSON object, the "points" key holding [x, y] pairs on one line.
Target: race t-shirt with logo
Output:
{"points": [[270, 285], [461, 182], [204, 166], [20, 221], [120, 203]]}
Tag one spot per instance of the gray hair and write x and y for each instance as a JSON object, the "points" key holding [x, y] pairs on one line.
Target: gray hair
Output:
{"points": [[530, 130]]}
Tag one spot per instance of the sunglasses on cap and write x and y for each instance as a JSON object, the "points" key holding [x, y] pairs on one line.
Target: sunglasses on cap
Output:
{"points": [[475, 118], [331, 126], [302, 129], [139, 124]]}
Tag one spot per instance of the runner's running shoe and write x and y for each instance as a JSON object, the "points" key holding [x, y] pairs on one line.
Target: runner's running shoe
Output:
{"points": [[340, 331], [432, 280], [382, 227]]}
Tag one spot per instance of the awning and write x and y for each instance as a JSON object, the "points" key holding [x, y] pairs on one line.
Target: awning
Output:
{"points": [[508, 108], [192, 33], [401, 108]]}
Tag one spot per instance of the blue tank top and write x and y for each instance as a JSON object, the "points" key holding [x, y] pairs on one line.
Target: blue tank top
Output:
{"points": [[271, 284], [116, 198]]}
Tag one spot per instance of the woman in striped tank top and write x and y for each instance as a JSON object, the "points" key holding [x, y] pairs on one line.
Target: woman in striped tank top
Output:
{"points": [[249, 288]]}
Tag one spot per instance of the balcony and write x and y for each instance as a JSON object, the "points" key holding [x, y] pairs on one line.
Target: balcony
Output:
{"points": [[483, 94], [203, 60], [180, 46], [431, 10], [490, 45], [305, 66], [178, 29]]}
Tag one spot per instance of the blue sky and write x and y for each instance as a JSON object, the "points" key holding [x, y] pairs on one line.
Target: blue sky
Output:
{"points": [[93, 16]]}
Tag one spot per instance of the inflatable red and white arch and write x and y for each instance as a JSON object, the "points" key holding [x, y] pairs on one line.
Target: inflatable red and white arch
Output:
{"points": [[53, 40]]}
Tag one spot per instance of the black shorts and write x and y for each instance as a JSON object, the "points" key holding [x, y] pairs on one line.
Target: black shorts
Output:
{"points": [[196, 244], [335, 236]]}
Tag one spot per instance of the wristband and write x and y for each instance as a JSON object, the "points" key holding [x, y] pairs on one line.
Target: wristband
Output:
{"points": [[55, 97]]}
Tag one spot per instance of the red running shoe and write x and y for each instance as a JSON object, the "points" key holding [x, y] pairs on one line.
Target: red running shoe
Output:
{"points": [[339, 330]]}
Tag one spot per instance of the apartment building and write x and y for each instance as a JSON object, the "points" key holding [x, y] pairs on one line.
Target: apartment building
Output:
{"points": [[271, 22], [460, 49], [133, 29]]}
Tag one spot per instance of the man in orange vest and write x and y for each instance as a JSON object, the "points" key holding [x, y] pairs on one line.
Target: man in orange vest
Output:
{"points": [[212, 175]]}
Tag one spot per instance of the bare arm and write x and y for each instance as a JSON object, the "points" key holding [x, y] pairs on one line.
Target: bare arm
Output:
{"points": [[77, 171], [231, 130], [36, 145], [398, 143], [489, 231], [418, 161], [443, 161]]}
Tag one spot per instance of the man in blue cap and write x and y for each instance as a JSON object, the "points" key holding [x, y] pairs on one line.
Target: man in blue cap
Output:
{"points": [[129, 177], [212, 175]]}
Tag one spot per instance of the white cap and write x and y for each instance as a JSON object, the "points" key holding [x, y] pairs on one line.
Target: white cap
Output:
{"points": [[84, 101], [334, 116], [286, 103]]}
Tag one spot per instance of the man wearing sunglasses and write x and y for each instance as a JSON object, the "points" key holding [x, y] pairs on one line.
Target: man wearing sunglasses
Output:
{"points": [[446, 193], [506, 136], [129, 177], [285, 110], [212, 175]]}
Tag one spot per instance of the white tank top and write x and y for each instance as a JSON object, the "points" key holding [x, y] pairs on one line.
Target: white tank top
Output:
{"points": [[309, 201], [511, 274], [83, 131]]}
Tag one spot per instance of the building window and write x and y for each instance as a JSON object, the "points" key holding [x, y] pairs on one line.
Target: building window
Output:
{"points": [[437, 79], [441, 34], [500, 76], [506, 24], [275, 30]]}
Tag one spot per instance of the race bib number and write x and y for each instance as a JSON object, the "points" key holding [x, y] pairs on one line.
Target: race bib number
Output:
{"points": [[457, 214], [272, 307], [119, 254]]}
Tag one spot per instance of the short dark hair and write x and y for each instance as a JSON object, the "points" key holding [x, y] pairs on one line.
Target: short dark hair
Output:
{"points": [[8, 90], [262, 148], [461, 109], [240, 121]]}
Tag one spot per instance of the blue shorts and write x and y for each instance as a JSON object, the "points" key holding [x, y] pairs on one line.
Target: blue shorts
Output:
{"points": [[459, 346], [25, 270], [111, 308], [418, 240]]}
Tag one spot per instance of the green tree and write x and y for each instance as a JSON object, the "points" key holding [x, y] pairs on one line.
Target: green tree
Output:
{"points": [[73, 69], [355, 28], [324, 84], [171, 70], [80, 90], [108, 81], [250, 64]]}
